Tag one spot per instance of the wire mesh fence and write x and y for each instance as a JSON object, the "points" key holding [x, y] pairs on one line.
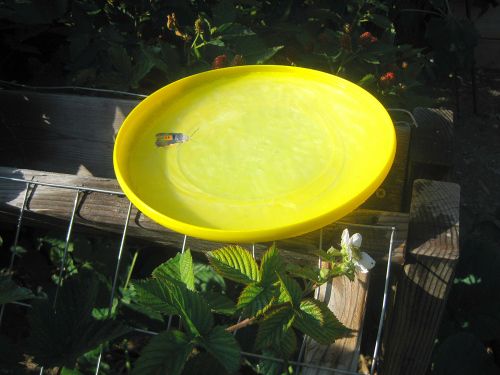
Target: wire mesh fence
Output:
{"points": [[298, 364]]}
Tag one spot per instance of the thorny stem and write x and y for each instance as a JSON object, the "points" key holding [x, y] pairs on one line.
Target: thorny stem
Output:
{"points": [[242, 324]]}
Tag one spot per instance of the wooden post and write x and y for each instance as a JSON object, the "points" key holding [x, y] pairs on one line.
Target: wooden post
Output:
{"points": [[347, 300], [431, 257]]}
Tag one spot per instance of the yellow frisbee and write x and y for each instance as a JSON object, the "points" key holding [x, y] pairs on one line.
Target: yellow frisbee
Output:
{"points": [[253, 153]]}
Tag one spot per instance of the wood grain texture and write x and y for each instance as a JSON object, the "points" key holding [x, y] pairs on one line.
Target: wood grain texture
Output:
{"points": [[347, 300], [107, 212], [431, 257], [60, 133], [74, 134], [389, 196]]}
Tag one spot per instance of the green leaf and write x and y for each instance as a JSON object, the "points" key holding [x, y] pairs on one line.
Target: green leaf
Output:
{"points": [[192, 307], [290, 290], [288, 344], [178, 268], [59, 337], [269, 367], [153, 296], [207, 279], [224, 347], [372, 60], [234, 263], [271, 263], [273, 328], [367, 80], [305, 272], [199, 363], [219, 303], [166, 353], [255, 299], [317, 321], [11, 292]]}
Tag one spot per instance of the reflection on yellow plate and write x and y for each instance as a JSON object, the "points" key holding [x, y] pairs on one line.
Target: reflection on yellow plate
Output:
{"points": [[271, 152]]}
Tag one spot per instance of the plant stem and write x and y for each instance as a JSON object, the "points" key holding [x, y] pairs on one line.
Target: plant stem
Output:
{"points": [[242, 324], [132, 265]]}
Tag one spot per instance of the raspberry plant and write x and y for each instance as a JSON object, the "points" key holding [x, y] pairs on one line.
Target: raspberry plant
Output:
{"points": [[275, 296]]}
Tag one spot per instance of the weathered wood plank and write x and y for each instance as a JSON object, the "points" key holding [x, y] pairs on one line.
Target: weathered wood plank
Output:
{"points": [[347, 300], [60, 133], [431, 150], [107, 212], [389, 196], [75, 134], [431, 257]]}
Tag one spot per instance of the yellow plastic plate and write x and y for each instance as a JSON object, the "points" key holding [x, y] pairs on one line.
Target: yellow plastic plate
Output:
{"points": [[274, 152]]}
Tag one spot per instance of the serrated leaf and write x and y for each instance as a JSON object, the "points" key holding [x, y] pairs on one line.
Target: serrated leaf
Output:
{"points": [[255, 299], [220, 303], [324, 255], [305, 272], [315, 319], [192, 308], [59, 337], [11, 292], [271, 263], [273, 328], [290, 290], [198, 365], [207, 279], [224, 347], [170, 296], [166, 353], [179, 268], [288, 344], [234, 263], [186, 269], [334, 252], [153, 295]]}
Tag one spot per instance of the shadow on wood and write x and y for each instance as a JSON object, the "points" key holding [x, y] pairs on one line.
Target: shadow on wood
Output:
{"points": [[347, 300]]}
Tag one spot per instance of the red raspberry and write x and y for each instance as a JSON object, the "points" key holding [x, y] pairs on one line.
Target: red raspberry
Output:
{"points": [[387, 78], [219, 62], [366, 38]]}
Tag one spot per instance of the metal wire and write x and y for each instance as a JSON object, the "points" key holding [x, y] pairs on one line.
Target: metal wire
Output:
{"points": [[66, 245], [298, 364], [64, 186], [414, 122], [73, 88], [384, 304], [16, 240], [115, 278]]}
